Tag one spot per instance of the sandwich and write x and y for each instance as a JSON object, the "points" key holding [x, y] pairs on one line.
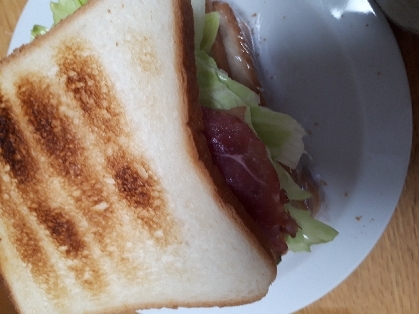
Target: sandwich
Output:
{"points": [[111, 198]]}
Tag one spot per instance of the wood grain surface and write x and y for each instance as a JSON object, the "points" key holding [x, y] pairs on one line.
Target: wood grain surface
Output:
{"points": [[388, 279]]}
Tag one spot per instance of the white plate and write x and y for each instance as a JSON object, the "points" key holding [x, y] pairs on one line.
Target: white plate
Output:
{"points": [[335, 66]]}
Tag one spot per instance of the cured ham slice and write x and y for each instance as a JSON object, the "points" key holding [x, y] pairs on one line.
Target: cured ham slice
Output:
{"points": [[243, 160]]}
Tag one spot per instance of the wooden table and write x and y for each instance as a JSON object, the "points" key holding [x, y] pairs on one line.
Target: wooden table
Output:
{"points": [[388, 280]]}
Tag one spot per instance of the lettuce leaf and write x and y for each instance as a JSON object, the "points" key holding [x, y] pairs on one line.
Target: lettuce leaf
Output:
{"points": [[198, 7], [212, 23], [63, 8], [38, 30], [60, 10], [312, 231], [281, 133], [294, 191], [217, 90]]}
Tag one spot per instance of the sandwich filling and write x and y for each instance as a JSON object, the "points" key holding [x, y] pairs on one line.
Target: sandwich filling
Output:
{"points": [[256, 149], [244, 163]]}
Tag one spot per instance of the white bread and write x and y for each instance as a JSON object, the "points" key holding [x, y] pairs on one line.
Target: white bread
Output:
{"points": [[108, 199]]}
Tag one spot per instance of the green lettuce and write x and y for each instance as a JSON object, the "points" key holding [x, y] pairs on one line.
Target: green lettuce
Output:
{"points": [[198, 7], [60, 10], [294, 191], [63, 8], [281, 133], [312, 231], [38, 30], [217, 90], [211, 25]]}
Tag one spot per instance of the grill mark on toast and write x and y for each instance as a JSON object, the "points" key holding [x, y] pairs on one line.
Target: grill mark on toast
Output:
{"points": [[142, 191], [70, 244], [14, 148], [58, 137], [62, 229], [55, 133], [19, 167], [132, 185], [87, 81], [67, 156], [28, 245], [59, 225]]}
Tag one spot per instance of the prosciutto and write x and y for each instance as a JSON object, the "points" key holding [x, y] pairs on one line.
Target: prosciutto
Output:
{"points": [[243, 160]]}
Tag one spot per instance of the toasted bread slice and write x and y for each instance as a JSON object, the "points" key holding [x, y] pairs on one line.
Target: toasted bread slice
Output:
{"points": [[108, 198]]}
